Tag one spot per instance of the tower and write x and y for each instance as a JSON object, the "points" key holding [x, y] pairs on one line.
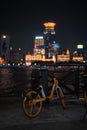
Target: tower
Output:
{"points": [[49, 38], [4, 47]]}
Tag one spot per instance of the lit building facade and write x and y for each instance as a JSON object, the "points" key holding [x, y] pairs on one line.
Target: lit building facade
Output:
{"points": [[39, 45], [1, 60], [38, 57], [49, 39], [64, 57], [78, 55]]}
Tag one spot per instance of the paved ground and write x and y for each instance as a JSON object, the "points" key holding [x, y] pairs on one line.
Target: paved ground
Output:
{"points": [[53, 116]]}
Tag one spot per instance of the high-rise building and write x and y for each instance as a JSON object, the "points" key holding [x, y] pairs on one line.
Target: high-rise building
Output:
{"points": [[39, 45], [49, 39], [15, 56], [4, 47]]}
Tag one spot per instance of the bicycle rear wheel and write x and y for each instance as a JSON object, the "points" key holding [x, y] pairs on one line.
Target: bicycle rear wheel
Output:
{"points": [[31, 106]]}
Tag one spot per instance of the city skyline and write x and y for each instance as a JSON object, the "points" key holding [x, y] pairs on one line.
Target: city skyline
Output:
{"points": [[23, 21]]}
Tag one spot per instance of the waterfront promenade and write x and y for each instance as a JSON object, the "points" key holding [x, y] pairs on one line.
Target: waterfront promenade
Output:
{"points": [[53, 116]]}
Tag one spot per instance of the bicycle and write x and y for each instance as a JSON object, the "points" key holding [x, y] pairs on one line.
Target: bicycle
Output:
{"points": [[33, 99]]}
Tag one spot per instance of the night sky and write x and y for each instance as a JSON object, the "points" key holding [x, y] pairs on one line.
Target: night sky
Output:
{"points": [[23, 20]]}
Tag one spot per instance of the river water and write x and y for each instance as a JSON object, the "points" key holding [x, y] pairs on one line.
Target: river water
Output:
{"points": [[13, 79]]}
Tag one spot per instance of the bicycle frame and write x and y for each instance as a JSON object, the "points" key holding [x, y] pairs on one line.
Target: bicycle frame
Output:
{"points": [[54, 88], [32, 102], [51, 95]]}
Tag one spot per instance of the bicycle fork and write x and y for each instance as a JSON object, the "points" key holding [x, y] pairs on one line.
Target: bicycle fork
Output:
{"points": [[61, 95], [42, 91]]}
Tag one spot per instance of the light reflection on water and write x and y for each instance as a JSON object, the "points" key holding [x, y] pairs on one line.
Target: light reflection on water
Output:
{"points": [[14, 77]]}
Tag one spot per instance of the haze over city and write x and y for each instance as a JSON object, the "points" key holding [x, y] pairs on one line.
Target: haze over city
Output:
{"points": [[23, 21]]}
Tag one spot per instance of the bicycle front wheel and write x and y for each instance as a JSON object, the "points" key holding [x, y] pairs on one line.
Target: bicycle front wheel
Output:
{"points": [[32, 105]]}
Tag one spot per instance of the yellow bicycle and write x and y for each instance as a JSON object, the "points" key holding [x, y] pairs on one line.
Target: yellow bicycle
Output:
{"points": [[33, 99]]}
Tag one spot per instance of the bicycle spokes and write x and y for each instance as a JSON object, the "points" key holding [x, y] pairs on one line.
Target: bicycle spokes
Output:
{"points": [[33, 107]]}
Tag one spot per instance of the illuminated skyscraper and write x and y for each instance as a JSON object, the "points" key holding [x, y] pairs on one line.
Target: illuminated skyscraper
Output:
{"points": [[39, 45], [49, 38], [4, 47]]}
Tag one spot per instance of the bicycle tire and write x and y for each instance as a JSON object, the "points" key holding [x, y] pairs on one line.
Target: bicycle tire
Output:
{"points": [[30, 107]]}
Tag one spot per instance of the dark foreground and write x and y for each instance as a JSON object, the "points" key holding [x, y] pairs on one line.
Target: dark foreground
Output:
{"points": [[52, 117]]}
